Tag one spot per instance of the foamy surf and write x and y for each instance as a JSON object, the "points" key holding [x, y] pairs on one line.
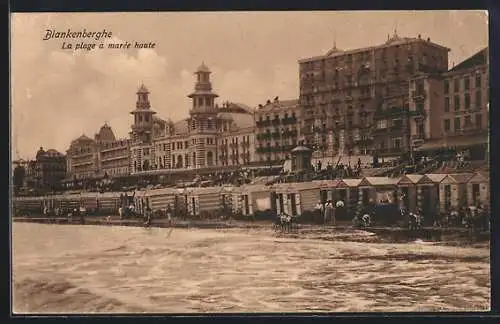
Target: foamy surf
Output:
{"points": [[98, 270]]}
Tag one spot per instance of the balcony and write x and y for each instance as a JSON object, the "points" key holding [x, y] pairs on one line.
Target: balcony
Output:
{"points": [[418, 95], [263, 150], [264, 136], [275, 135], [289, 121], [397, 128], [418, 114], [275, 122], [390, 150], [263, 123], [363, 140], [390, 112], [288, 134]]}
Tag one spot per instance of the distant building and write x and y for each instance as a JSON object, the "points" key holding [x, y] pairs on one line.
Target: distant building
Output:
{"points": [[50, 169], [357, 101], [277, 129], [456, 107], [82, 158], [104, 155], [236, 142], [114, 154]]}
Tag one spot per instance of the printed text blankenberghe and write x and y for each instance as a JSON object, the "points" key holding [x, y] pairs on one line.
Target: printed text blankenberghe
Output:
{"points": [[52, 33]]}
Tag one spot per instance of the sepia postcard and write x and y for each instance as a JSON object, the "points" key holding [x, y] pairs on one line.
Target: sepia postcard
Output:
{"points": [[250, 162]]}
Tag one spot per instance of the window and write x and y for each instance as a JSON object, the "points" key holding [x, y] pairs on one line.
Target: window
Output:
{"points": [[478, 80], [456, 100], [397, 123], [467, 122], [479, 121], [456, 85], [446, 86], [466, 101], [382, 124], [446, 104], [466, 83], [446, 125], [478, 99], [457, 124], [397, 143]]}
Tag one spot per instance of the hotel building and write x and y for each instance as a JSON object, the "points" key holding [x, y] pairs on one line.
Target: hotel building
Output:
{"points": [[277, 126], [357, 101]]}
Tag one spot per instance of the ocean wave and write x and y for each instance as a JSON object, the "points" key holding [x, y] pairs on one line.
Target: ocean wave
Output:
{"points": [[58, 296]]}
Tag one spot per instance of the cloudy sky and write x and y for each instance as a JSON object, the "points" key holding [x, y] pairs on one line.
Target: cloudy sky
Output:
{"points": [[58, 95]]}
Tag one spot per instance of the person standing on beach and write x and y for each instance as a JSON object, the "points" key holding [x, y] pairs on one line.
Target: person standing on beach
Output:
{"points": [[329, 213], [169, 214], [339, 210], [320, 210], [82, 212], [148, 216]]}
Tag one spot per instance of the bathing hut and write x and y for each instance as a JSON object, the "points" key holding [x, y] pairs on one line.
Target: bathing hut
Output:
{"points": [[203, 201], [407, 191], [89, 201], [349, 192], [141, 201], [429, 192], [327, 189], [478, 190], [108, 203], [253, 198], [160, 199], [29, 204], [296, 198], [379, 189], [453, 190], [226, 198]]}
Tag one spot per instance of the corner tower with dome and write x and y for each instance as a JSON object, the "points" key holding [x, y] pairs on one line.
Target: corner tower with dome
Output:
{"points": [[203, 121], [142, 132]]}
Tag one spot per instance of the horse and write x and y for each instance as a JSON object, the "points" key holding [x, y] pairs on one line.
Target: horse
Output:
{"points": [[414, 221], [366, 220], [363, 221]]}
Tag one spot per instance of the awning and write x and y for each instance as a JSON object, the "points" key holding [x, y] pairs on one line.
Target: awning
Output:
{"points": [[455, 141]]}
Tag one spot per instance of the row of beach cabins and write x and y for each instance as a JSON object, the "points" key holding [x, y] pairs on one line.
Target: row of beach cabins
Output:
{"points": [[432, 193]]}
